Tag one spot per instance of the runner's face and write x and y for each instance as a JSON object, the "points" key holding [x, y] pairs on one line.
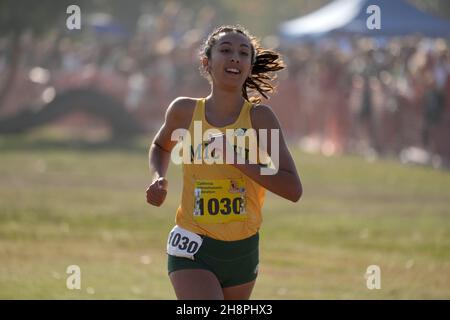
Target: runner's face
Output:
{"points": [[230, 62]]}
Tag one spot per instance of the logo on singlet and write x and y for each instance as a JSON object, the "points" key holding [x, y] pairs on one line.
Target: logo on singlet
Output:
{"points": [[205, 150], [196, 153]]}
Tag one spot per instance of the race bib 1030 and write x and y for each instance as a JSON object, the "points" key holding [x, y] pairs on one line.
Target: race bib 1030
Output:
{"points": [[183, 243], [219, 201]]}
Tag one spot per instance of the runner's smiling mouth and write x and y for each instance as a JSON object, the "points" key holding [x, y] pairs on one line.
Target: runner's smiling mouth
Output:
{"points": [[232, 70]]}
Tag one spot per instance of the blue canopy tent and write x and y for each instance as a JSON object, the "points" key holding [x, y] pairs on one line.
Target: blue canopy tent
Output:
{"points": [[104, 24], [349, 17]]}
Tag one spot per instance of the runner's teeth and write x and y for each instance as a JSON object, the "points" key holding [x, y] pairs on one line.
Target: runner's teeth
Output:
{"points": [[233, 70]]}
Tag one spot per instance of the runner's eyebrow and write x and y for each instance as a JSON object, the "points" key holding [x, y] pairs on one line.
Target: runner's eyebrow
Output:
{"points": [[229, 43]]}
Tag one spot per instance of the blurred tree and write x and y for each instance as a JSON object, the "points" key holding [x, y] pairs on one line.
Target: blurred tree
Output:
{"points": [[262, 17], [439, 8], [19, 16]]}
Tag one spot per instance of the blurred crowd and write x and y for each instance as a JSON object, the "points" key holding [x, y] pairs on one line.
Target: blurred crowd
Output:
{"points": [[377, 95], [337, 95]]}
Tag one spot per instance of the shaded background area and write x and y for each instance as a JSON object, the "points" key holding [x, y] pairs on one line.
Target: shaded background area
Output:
{"points": [[78, 110]]}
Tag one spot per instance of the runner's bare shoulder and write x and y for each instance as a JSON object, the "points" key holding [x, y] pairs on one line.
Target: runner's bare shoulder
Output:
{"points": [[180, 111], [178, 116], [263, 117]]}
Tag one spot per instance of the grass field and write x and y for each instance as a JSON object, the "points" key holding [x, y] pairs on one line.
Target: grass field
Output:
{"points": [[70, 203]]}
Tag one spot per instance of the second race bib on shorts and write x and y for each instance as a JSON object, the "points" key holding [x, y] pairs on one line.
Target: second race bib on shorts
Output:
{"points": [[183, 243], [219, 201]]}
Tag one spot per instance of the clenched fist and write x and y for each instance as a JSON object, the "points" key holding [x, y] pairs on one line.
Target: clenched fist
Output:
{"points": [[157, 191]]}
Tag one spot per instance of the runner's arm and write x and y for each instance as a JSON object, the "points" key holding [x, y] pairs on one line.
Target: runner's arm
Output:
{"points": [[286, 181], [162, 145]]}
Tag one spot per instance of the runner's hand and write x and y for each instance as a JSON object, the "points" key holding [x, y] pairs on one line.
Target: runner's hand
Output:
{"points": [[157, 191]]}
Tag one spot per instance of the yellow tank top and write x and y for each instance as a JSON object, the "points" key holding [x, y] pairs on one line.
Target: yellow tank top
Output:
{"points": [[218, 200]]}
